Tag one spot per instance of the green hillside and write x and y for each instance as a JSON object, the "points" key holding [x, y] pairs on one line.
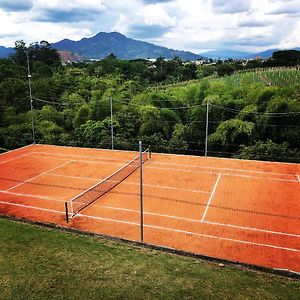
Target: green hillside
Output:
{"points": [[253, 114]]}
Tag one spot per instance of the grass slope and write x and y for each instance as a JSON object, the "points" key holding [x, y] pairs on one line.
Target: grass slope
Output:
{"points": [[40, 263]]}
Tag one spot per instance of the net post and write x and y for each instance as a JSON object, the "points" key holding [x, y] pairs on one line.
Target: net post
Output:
{"points": [[31, 98], [67, 212], [141, 191], [150, 152]]}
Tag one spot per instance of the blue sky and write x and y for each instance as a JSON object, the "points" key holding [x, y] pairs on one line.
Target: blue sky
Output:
{"points": [[194, 25]]}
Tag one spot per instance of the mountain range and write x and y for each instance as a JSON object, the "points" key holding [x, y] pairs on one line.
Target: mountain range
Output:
{"points": [[227, 53], [103, 44]]}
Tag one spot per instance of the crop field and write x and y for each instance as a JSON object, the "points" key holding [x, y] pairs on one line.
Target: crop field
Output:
{"points": [[281, 77]]}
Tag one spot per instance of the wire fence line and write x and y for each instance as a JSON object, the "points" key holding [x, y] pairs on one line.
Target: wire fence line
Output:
{"points": [[188, 145], [176, 108]]}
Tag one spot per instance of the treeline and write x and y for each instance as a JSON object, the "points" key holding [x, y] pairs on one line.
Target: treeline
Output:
{"points": [[71, 106]]}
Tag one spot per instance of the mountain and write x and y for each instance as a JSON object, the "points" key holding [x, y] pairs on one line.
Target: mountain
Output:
{"points": [[268, 53], [225, 54], [103, 44], [5, 52], [265, 54]]}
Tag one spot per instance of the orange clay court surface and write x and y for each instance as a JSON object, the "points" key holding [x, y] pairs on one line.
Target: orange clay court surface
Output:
{"points": [[243, 211]]}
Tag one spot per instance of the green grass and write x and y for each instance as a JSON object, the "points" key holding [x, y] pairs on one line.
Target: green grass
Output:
{"points": [[41, 263]]}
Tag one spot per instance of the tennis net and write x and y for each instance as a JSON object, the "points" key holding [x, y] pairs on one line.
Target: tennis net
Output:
{"points": [[89, 196]]}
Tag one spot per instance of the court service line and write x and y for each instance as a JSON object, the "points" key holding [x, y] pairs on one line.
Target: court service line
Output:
{"points": [[161, 228], [252, 229], [78, 160], [226, 169], [225, 174], [222, 238], [59, 166], [192, 233], [197, 221], [211, 197], [133, 183], [93, 149]]}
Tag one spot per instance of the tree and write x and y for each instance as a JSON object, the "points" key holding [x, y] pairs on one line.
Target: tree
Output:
{"points": [[269, 151], [43, 52], [20, 56], [233, 131], [225, 69], [285, 58]]}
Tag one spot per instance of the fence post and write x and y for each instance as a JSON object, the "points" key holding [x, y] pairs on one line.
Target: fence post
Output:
{"points": [[141, 191]]}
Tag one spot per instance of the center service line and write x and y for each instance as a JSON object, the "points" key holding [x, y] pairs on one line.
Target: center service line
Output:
{"points": [[210, 198]]}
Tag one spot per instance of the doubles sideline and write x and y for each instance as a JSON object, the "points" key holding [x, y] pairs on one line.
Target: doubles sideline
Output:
{"points": [[154, 214], [167, 229]]}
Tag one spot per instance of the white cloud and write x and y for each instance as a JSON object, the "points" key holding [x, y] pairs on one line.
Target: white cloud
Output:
{"points": [[193, 25]]}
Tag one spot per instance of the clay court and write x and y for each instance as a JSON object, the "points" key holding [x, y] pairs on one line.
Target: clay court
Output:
{"points": [[237, 210]]}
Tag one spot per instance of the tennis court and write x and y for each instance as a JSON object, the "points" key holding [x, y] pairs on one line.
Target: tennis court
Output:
{"points": [[242, 211]]}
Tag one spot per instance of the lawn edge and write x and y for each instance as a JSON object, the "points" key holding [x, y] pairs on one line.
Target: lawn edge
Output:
{"points": [[235, 264]]}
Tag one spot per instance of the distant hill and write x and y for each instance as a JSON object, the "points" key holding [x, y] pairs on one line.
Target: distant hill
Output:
{"points": [[226, 54], [103, 44], [268, 53], [5, 52], [265, 54], [69, 57]]}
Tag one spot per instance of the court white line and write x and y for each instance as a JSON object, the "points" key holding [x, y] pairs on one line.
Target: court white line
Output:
{"points": [[61, 165], [226, 169], [78, 160], [261, 178], [5, 161], [81, 156], [252, 229], [33, 207], [225, 174], [197, 221], [52, 155], [162, 228], [96, 149], [211, 197], [298, 177], [14, 150], [169, 169], [161, 215], [133, 183], [222, 238], [225, 158], [32, 196]]}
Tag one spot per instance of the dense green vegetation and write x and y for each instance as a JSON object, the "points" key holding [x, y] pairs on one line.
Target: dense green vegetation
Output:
{"points": [[39, 263], [252, 114]]}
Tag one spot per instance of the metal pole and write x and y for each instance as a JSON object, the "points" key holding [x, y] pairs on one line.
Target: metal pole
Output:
{"points": [[67, 212], [206, 129], [111, 125], [141, 190], [31, 100]]}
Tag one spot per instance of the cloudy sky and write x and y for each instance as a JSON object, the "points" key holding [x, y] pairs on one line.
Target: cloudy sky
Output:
{"points": [[195, 25]]}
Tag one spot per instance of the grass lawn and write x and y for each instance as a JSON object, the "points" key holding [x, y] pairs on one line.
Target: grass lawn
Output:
{"points": [[41, 263]]}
